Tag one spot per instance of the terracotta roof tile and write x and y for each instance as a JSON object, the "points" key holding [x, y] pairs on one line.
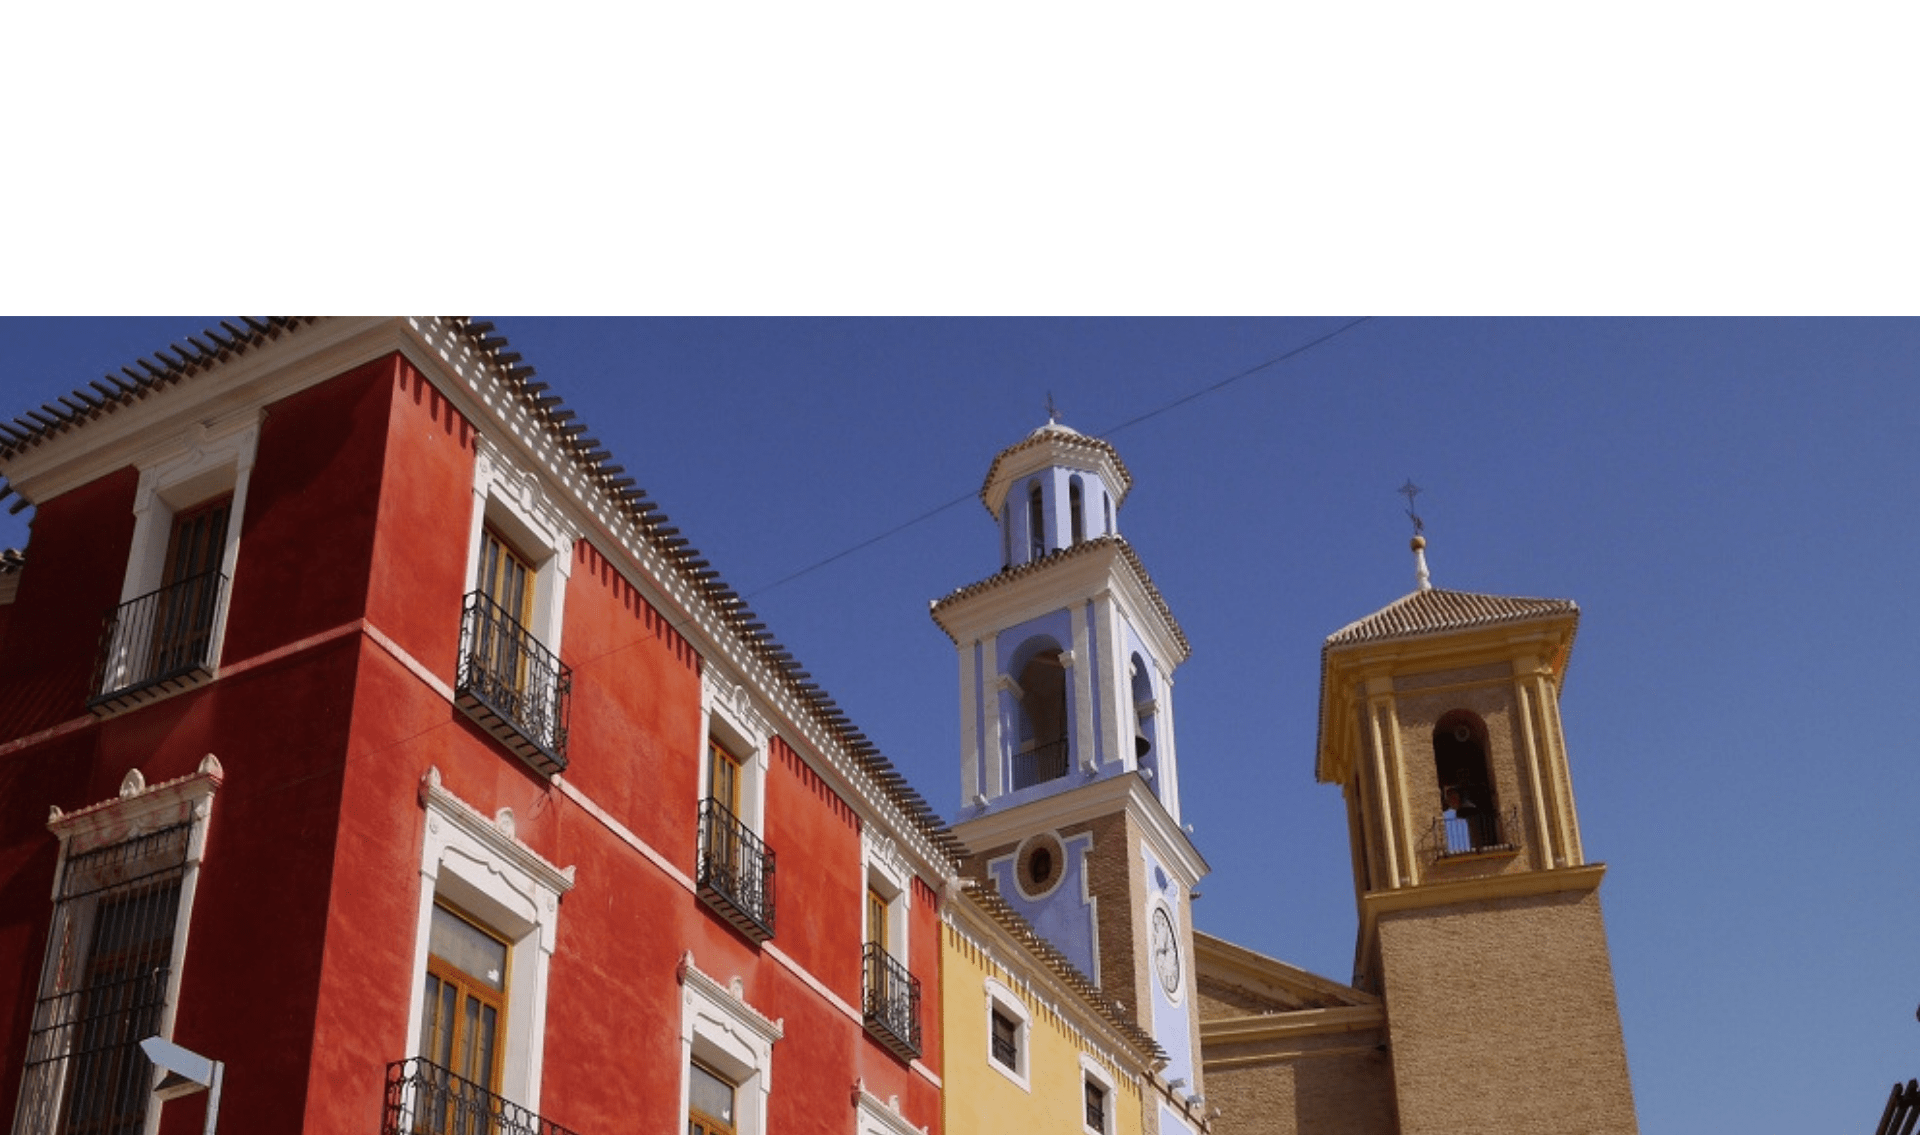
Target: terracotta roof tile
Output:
{"points": [[1437, 609], [1085, 547], [988, 899], [593, 460], [1061, 435]]}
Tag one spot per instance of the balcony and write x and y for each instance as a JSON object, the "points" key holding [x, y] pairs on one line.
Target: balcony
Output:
{"points": [[892, 1002], [1040, 764], [512, 686], [1478, 833], [735, 871], [158, 644], [426, 1099]]}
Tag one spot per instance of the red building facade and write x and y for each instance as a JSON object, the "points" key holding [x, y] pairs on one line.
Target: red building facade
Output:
{"points": [[364, 728]]}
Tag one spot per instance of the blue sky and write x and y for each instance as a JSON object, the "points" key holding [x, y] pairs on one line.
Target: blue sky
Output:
{"points": [[1730, 503]]}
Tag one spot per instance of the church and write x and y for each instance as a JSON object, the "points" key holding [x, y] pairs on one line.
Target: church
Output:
{"points": [[368, 736], [1482, 996]]}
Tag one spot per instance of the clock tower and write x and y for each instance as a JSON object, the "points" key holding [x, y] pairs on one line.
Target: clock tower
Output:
{"points": [[1070, 777]]}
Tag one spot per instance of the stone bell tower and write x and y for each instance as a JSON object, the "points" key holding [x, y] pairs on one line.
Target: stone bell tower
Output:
{"points": [[1070, 778], [1480, 920]]}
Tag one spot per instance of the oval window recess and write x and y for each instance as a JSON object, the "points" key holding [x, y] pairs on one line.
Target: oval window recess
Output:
{"points": [[1040, 866]]}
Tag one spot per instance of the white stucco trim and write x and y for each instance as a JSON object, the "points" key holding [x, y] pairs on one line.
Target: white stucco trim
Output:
{"points": [[728, 715], [1001, 998], [138, 810], [513, 500], [477, 864], [873, 1116], [719, 1029]]}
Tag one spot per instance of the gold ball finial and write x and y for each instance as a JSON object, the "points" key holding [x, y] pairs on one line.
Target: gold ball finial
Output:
{"points": [[1419, 543]]}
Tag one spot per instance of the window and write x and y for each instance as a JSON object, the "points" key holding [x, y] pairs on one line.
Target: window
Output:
{"points": [[1470, 814], [465, 998], [890, 992], [727, 1051], [510, 680], [1009, 1028], [165, 634], [1006, 1040], [734, 870], [1041, 753], [1036, 523], [488, 921], [1096, 1114], [709, 1102], [111, 975]]}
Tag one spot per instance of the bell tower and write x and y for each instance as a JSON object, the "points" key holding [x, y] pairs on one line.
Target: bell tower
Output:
{"points": [[1480, 921], [1070, 782]]}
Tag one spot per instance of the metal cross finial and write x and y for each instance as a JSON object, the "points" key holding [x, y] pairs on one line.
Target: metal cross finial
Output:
{"points": [[1053, 412], [1410, 491]]}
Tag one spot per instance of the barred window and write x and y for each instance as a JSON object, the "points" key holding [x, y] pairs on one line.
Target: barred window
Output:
{"points": [[103, 987], [1096, 1106]]}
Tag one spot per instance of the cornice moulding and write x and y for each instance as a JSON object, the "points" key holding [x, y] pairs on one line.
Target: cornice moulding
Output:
{"points": [[267, 373], [1293, 1025], [1032, 976], [1102, 798]]}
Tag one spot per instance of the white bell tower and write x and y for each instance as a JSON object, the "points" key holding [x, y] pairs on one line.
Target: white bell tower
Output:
{"points": [[1070, 777]]}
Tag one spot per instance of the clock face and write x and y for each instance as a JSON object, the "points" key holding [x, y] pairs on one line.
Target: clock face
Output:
{"points": [[1166, 952]]}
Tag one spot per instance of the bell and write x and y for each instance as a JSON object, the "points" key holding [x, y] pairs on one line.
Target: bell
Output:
{"points": [[1142, 745]]}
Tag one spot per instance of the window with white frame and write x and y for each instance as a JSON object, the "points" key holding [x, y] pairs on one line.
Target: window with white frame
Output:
{"points": [[734, 868], [1009, 1031], [726, 1054], [1096, 1090], [167, 630], [123, 899], [488, 917], [520, 554]]}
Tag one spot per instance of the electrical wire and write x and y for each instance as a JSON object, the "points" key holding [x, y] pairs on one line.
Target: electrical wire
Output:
{"points": [[1107, 433]]}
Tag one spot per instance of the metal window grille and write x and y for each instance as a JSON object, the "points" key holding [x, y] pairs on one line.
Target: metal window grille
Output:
{"points": [[1006, 1046], [426, 1099], [1096, 1106], [103, 987], [1040, 764], [162, 637], [892, 1001]]}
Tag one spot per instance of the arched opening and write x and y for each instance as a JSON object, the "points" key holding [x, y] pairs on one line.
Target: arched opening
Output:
{"points": [[1036, 523], [1106, 504], [1040, 749], [1006, 536], [1470, 813], [1145, 723], [1078, 512]]}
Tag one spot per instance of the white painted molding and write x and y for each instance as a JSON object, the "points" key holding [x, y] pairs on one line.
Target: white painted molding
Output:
{"points": [[876, 1117]]}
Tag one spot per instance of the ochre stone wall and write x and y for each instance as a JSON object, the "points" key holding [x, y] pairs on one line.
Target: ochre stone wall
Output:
{"points": [[1503, 1018], [1339, 1084]]}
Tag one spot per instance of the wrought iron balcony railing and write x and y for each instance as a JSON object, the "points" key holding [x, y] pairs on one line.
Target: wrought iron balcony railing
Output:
{"points": [[892, 1002], [1476, 832], [1040, 764], [735, 871], [512, 686], [161, 642], [426, 1099]]}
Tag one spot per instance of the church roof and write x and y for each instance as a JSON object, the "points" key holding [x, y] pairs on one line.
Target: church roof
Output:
{"points": [[1057, 434], [1018, 571], [1433, 610]]}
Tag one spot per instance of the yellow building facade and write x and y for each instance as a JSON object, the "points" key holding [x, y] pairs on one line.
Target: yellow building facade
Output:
{"points": [[1030, 1044]]}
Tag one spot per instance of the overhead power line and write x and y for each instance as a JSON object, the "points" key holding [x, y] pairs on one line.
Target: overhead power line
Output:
{"points": [[1215, 388]]}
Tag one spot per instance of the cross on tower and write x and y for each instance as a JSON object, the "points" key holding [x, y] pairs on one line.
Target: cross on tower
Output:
{"points": [[1411, 490]]}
